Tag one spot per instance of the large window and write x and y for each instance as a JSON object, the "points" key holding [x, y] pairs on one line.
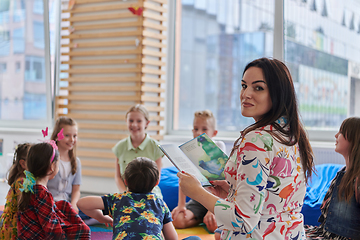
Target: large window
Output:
{"points": [[25, 96], [320, 40], [217, 38]]}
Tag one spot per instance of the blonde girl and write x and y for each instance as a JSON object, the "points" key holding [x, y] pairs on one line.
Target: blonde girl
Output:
{"points": [[138, 144]]}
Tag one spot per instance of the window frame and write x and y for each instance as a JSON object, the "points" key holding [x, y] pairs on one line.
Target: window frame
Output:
{"points": [[316, 136]]}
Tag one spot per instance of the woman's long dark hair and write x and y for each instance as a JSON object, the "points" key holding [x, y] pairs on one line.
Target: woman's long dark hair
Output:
{"points": [[350, 129], [38, 163], [284, 104]]}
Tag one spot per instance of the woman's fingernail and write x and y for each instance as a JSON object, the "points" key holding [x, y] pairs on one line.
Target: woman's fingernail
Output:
{"points": [[182, 171], [211, 182]]}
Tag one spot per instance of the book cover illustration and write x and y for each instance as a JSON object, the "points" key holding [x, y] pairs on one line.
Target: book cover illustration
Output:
{"points": [[183, 163], [205, 154]]}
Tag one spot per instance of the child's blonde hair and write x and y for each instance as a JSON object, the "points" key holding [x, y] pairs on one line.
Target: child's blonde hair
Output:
{"points": [[60, 123], [206, 114], [139, 108]]}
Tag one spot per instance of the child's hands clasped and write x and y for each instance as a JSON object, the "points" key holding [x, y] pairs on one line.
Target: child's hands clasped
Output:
{"points": [[178, 210]]}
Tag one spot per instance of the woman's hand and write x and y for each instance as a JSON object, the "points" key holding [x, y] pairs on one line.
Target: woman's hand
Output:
{"points": [[220, 188], [189, 185], [210, 221], [192, 188]]}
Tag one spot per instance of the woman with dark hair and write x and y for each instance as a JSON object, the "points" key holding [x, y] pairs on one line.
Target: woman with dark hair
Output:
{"points": [[340, 210], [269, 164]]}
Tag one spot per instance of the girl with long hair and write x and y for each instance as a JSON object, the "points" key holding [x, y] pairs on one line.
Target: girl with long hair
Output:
{"points": [[16, 177], [39, 216]]}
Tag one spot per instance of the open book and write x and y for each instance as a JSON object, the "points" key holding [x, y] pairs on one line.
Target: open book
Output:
{"points": [[200, 157]]}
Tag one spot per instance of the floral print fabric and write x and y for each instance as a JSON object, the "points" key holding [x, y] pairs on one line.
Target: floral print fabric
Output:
{"points": [[136, 215], [8, 230], [267, 189]]}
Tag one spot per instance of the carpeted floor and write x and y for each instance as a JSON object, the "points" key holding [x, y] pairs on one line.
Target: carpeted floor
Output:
{"points": [[199, 231], [101, 232]]}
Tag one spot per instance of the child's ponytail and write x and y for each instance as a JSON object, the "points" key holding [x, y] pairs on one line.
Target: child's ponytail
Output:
{"points": [[24, 201], [16, 169], [26, 191]]}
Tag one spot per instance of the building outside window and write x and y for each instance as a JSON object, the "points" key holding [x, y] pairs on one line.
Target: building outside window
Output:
{"points": [[218, 38], [24, 97]]}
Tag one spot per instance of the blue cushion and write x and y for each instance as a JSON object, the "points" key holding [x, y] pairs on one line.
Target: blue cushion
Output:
{"points": [[169, 185], [316, 190]]}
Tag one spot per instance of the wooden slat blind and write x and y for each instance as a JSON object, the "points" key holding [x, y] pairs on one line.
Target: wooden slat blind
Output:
{"points": [[111, 59]]}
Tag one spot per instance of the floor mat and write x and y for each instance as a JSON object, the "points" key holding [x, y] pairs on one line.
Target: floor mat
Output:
{"points": [[199, 231], [100, 228], [101, 235], [100, 231]]}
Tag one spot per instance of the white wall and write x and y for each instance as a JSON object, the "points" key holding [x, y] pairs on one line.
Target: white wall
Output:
{"points": [[11, 137]]}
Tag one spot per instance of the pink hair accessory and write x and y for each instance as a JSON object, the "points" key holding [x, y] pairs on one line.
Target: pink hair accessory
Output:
{"points": [[45, 132], [51, 142], [60, 135], [55, 147]]}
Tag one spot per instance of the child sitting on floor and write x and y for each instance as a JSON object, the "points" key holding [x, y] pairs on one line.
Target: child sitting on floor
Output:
{"points": [[66, 183], [340, 210], [192, 213], [137, 144], [39, 216], [16, 177], [136, 213]]}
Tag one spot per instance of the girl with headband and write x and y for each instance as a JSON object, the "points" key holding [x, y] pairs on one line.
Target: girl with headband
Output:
{"points": [[39, 216]]}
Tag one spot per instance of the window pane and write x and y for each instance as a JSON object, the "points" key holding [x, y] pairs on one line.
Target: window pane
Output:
{"points": [[4, 11], [24, 87], [18, 40], [19, 10], [4, 43], [321, 41], [39, 37], [217, 39]]}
